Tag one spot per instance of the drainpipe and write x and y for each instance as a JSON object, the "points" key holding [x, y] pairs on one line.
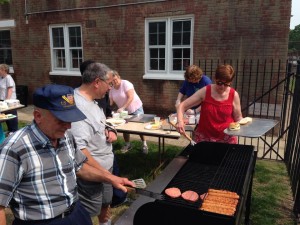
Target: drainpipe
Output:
{"points": [[87, 8]]}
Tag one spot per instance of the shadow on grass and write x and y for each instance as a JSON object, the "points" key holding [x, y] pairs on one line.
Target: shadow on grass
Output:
{"points": [[134, 164]]}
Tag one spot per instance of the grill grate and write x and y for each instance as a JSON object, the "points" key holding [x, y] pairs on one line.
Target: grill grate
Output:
{"points": [[226, 170]]}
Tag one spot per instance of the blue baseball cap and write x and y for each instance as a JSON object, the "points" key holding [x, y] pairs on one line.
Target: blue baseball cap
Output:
{"points": [[59, 100]]}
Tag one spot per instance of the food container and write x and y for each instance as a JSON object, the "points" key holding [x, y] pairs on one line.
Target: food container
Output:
{"points": [[124, 114], [3, 105], [116, 115], [12, 102]]}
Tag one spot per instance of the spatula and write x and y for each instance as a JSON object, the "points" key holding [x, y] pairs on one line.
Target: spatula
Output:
{"points": [[139, 183], [185, 135]]}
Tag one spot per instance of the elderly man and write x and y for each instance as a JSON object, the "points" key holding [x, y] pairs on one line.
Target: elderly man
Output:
{"points": [[95, 138], [39, 164]]}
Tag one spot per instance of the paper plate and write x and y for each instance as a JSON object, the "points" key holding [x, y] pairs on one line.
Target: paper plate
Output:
{"points": [[115, 121], [152, 127]]}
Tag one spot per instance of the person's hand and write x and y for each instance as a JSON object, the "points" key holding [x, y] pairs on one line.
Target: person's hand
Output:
{"points": [[180, 126], [120, 110], [121, 182], [190, 112], [110, 136], [177, 103]]}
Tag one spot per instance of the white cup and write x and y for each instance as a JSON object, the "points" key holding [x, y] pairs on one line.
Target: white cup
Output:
{"points": [[156, 119], [116, 115], [124, 114]]}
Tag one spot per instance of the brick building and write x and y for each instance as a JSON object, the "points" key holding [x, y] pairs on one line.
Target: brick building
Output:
{"points": [[148, 41]]}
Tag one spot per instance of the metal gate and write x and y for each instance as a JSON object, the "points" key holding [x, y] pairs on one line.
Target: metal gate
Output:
{"points": [[292, 157]]}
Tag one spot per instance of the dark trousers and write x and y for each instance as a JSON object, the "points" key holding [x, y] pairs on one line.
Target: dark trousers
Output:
{"points": [[79, 216], [12, 125]]}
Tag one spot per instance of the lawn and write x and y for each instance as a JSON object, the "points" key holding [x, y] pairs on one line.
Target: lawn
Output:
{"points": [[271, 196]]}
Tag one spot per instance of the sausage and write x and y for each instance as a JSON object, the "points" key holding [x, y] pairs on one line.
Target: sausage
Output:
{"points": [[223, 193], [190, 196], [173, 192]]}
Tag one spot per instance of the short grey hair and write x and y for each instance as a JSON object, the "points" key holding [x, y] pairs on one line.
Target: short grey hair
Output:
{"points": [[94, 71]]}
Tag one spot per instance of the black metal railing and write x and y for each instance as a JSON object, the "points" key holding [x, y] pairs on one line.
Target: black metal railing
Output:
{"points": [[265, 89]]}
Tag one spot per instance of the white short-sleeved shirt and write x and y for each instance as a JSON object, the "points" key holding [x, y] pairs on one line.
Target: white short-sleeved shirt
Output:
{"points": [[5, 83], [119, 96]]}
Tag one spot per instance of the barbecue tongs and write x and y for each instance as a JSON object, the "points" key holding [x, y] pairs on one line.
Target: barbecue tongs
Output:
{"points": [[185, 135]]}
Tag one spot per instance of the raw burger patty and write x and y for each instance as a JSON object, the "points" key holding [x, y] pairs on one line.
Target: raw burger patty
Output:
{"points": [[190, 196], [173, 192]]}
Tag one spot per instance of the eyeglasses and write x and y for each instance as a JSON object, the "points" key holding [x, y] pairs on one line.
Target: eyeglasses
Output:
{"points": [[109, 84], [220, 83]]}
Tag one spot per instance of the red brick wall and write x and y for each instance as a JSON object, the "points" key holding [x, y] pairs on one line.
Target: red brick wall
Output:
{"points": [[224, 29]]}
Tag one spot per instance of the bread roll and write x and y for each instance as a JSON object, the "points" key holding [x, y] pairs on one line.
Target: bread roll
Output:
{"points": [[234, 126]]}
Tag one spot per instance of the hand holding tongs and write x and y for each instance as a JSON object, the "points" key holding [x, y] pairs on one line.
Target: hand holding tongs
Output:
{"points": [[185, 135]]}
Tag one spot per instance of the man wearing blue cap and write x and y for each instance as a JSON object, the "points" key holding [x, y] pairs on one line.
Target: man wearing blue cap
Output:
{"points": [[39, 164]]}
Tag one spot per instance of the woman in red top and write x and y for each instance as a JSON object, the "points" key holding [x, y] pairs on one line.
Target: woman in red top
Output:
{"points": [[220, 105]]}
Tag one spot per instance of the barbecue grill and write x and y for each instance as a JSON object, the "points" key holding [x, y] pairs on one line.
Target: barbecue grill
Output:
{"points": [[208, 165]]}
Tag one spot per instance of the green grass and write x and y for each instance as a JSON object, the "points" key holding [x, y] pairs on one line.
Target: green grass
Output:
{"points": [[271, 198]]}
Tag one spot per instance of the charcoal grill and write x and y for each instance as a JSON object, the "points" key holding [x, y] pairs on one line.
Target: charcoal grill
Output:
{"points": [[207, 165]]}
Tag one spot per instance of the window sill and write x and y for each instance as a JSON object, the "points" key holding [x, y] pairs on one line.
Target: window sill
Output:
{"points": [[65, 73], [162, 76]]}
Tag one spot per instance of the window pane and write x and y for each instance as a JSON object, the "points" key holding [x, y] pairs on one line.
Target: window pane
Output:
{"points": [[162, 64], [58, 37], [153, 64], [157, 59], [181, 33], [186, 53], [60, 59], [177, 64], [5, 47], [177, 53], [177, 39], [187, 26], [157, 33], [186, 63], [75, 36], [177, 26], [5, 56], [186, 38], [154, 53], [162, 53], [5, 39], [152, 39], [76, 59]]}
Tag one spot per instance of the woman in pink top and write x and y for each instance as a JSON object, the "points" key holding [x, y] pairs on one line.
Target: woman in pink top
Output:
{"points": [[124, 96], [220, 105]]}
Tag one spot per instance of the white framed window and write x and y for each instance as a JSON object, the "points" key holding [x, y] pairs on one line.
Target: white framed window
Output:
{"points": [[168, 47], [66, 49]]}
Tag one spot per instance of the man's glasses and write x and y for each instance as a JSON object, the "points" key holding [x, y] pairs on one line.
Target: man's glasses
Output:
{"points": [[109, 84], [220, 83]]}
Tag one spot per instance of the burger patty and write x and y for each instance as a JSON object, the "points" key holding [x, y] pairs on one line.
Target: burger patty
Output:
{"points": [[190, 196], [173, 192]]}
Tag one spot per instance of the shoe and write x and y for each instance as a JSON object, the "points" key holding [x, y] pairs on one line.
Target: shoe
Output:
{"points": [[145, 149], [126, 148]]}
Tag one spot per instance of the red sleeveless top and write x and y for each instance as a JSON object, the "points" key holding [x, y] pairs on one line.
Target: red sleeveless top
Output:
{"points": [[215, 117]]}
